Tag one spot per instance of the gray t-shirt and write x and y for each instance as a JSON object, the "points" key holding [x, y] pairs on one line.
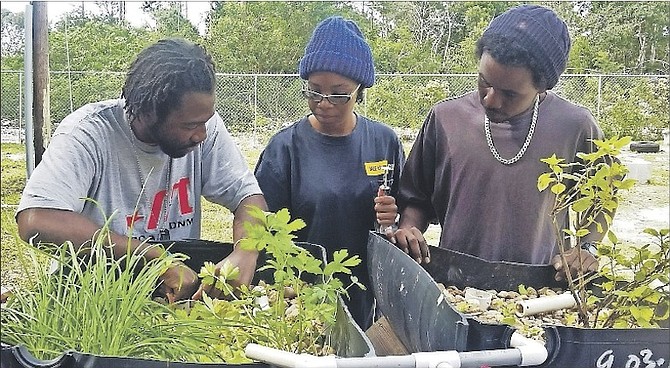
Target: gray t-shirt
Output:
{"points": [[93, 154], [488, 209]]}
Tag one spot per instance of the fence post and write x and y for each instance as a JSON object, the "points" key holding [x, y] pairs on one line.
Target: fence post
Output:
{"points": [[41, 122]]}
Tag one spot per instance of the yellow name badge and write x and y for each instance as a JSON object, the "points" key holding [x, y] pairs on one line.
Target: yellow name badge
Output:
{"points": [[375, 168]]}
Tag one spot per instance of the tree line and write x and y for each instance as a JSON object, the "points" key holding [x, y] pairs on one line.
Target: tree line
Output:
{"points": [[414, 37], [406, 37]]}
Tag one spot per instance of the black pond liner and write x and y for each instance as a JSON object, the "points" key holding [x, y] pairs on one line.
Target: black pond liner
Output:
{"points": [[347, 337], [408, 296]]}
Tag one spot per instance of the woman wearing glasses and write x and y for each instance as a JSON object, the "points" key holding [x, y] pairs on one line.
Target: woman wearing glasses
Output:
{"points": [[335, 169]]}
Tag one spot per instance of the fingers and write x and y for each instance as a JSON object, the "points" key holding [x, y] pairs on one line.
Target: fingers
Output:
{"points": [[425, 250], [578, 261], [386, 210], [419, 247], [557, 262], [412, 242], [178, 282], [198, 294], [390, 234]]}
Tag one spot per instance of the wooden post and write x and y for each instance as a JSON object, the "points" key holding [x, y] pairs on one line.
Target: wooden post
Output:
{"points": [[41, 111]]}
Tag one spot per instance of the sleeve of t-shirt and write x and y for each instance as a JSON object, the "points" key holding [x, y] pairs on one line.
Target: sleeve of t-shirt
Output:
{"points": [[63, 178], [226, 177], [272, 180], [590, 131], [418, 174]]}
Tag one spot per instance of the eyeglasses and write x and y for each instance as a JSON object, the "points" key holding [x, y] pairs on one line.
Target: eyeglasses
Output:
{"points": [[333, 99]]}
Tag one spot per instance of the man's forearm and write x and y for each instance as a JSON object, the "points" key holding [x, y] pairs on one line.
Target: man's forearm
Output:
{"points": [[412, 216], [242, 214], [59, 226]]}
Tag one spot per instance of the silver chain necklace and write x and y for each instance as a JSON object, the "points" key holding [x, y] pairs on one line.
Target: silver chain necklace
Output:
{"points": [[529, 137], [163, 233]]}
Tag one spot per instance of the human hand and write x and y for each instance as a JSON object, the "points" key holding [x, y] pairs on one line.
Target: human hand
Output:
{"points": [[386, 212], [589, 263], [244, 260], [412, 242], [178, 282]]}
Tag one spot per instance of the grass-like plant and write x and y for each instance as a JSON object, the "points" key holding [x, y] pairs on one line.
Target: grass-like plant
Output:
{"points": [[87, 301]]}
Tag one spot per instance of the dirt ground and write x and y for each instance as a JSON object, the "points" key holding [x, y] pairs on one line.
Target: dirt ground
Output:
{"points": [[646, 204]]}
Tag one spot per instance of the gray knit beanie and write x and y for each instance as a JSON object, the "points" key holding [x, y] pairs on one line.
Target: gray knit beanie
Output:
{"points": [[338, 46], [542, 32]]}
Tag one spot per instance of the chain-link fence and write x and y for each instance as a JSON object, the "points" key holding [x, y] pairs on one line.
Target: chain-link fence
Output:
{"points": [[635, 105]]}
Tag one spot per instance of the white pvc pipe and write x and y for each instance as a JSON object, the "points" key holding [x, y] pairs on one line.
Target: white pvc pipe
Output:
{"points": [[532, 351], [545, 304], [524, 352], [287, 359], [437, 359]]}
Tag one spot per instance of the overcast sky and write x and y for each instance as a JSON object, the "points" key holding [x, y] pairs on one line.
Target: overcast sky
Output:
{"points": [[134, 15]]}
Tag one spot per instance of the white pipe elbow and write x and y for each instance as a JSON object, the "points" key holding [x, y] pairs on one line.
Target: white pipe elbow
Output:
{"points": [[532, 351]]}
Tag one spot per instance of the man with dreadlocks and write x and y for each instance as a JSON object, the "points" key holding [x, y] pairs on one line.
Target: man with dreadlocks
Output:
{"points": [[145, 160]]}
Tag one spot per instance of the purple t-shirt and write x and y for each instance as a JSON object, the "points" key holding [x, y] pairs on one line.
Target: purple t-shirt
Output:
{"points": [[485, 208]]}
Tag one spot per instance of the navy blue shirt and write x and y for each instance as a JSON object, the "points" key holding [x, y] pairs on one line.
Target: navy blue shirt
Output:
{"points": [[330, 183]]}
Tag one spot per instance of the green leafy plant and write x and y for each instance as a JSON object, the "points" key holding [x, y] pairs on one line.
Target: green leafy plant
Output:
{"points": [[587, 192], [293, 313], [93, 303], [635, 283]]}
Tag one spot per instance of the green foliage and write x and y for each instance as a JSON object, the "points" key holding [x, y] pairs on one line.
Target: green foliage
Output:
{"points": [[94, 44], [584, 58], [99, 305], [10, 88], [635, 288], [587, 189], [387, 103], [400, 53], [12, 29], [420, 37], [619, 37], [635, 282], [289, 314], [93, 303], [170, 22], [637, 110], [406, 37], [241, 34], [70, 91]]}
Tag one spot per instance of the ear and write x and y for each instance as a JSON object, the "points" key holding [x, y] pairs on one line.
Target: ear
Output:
{"points": [[146, 120], [143, 127]]}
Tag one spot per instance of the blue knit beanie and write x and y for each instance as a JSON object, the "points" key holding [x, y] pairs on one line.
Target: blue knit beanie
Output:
{"points": [[543, 34], [338, 46]]}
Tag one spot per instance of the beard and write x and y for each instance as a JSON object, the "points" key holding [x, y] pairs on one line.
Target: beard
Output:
{"points": [[171, 146]]}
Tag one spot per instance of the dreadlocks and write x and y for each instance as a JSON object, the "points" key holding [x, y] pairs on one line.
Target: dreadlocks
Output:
{"points": [[162, 73]]}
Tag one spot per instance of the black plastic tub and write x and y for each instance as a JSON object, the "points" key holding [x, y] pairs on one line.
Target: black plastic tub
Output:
{"points": [[409, 297], [347, 337]]}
